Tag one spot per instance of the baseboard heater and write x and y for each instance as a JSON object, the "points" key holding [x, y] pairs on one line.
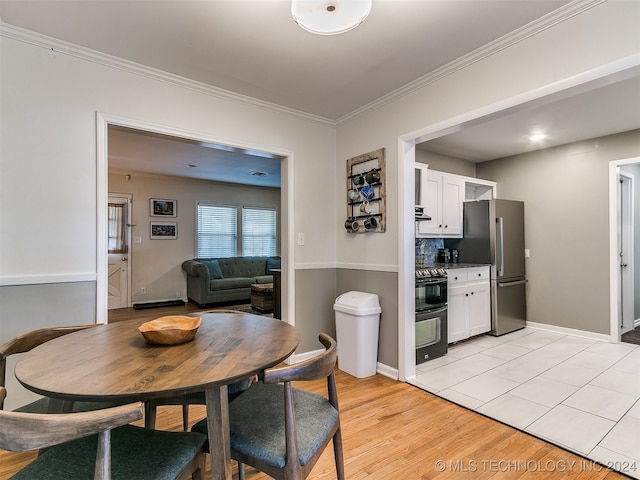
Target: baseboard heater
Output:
{"points": [[166, 303]]}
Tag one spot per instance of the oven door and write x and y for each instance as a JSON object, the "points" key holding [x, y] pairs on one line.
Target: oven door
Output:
{"points": [[431, 334], [430, 293]]}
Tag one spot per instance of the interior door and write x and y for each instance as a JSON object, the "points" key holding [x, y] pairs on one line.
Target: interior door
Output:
{"points": [[625, 249], [118, 272]]}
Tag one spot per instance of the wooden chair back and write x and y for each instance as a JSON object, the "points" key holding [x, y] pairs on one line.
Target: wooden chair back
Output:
{"points": [[28, 341], [316, 368], [22, 432]]}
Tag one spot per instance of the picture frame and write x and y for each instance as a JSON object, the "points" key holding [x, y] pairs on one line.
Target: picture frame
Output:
{"points": [[163, 230], [159, 207]]}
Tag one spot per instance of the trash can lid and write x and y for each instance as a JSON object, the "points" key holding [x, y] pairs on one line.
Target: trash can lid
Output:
{"points": [[357, 303]]}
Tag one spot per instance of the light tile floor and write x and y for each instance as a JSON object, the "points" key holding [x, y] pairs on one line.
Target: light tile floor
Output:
{"points": [[578, 393]]}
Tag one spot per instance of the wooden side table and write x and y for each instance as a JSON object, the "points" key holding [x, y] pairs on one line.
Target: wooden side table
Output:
{"points": [[262, 296]]}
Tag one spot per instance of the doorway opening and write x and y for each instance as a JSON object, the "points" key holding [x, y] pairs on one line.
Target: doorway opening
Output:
{"points": [[592, 80], [103, 122], [118, 251], [623, 237]]}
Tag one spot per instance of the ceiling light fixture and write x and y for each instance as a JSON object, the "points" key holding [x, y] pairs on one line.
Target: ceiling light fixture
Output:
{"points": [[329, 17], [537, 137]]}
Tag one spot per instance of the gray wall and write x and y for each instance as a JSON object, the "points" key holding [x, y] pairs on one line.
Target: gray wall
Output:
{"points": [[566, 195], [28, 307], [317, 290], [442, 163], [385, 285]]}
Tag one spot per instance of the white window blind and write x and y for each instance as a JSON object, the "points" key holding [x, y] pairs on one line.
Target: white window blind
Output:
{"points": [[258, 232], [217, 231]]}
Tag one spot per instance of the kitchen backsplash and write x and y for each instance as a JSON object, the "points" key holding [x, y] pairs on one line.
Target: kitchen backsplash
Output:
{"points": [[427, 250]]}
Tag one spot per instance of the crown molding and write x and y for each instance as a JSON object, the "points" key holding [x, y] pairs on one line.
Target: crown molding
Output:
{"points": [[87, 54], [554, 18]]}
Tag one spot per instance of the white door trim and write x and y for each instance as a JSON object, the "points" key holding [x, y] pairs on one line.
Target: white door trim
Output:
{"points": [[103, 120], [614, 259]]}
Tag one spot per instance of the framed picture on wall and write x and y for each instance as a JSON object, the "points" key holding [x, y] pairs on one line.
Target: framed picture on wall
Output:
{"points": [[163, 208], [164, 230]]}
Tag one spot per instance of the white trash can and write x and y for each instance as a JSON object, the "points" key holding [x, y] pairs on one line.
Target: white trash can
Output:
{"points": [[357, 326]]}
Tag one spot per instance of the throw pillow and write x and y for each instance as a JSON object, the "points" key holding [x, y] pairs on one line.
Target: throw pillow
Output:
{"points": [[273, 263], [214, 269]]}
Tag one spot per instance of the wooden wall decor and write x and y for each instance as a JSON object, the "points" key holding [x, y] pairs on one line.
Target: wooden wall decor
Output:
{"points": [[365, 193]]}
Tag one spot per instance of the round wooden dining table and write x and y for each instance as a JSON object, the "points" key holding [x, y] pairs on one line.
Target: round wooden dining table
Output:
{"points": [[114, 362]]}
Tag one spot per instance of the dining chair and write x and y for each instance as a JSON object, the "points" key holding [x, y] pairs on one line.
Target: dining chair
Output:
{"points": [[29, 340], [101, 445], [196, 398], [282, 431]]}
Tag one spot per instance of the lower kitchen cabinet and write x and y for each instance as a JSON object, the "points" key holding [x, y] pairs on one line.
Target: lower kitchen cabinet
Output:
{"points": [[468, 299]]}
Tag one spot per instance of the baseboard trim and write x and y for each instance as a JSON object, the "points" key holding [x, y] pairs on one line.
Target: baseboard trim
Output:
{"points": [[387, 371], [381, 368], [570, 331]]}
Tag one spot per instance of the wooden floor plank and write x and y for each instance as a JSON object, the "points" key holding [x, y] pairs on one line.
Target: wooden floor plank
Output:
{"points": [[392, 430]]}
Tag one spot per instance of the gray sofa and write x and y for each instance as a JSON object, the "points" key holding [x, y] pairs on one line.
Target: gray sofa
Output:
{"points": [[217, 280]]}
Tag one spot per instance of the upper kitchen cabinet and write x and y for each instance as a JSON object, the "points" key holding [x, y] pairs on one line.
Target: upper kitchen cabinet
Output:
{"points": [[441, 197]]}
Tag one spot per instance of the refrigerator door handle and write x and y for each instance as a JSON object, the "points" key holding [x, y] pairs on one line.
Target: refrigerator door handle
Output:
{"points": [[500, 221], [509, 284]]}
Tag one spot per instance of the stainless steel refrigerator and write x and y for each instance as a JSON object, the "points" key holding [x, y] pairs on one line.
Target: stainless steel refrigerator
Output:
{"points": [[494, 234]]}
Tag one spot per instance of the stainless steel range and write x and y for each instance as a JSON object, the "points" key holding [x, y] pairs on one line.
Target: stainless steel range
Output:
{"points": [[431, 313]]}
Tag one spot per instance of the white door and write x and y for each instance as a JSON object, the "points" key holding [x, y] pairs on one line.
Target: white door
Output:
{"points": [[625, 249], [118, 274]]}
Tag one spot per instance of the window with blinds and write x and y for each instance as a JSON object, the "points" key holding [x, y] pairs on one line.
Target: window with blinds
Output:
{"points": [[220, 235], [217, 231], [258, 232]]}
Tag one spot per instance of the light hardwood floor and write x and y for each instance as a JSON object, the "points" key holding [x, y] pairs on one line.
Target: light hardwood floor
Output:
{"points": [[392, 430]]}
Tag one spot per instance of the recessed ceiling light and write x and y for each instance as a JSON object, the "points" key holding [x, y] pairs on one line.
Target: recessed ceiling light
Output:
{"points": [[537, 137]]}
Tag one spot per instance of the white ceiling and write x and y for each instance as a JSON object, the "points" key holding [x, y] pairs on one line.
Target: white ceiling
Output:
{"points": [[253, 47]]}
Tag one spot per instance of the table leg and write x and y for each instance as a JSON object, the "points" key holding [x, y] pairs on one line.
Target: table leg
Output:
{"points": [[218, 425]]}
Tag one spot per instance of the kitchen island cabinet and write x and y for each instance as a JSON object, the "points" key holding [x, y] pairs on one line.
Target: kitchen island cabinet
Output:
{"points": [[469, 302]]}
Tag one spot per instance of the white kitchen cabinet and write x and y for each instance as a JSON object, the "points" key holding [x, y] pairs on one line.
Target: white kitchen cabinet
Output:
{"points": [[442, 198], [468, 299]]}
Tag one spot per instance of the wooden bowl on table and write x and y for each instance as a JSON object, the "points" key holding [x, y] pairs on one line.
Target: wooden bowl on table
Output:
{"points": [[171, 330]]}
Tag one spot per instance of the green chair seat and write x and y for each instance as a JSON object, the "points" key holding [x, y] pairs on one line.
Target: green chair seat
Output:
{"points": [[159, 455], [263, 437]]}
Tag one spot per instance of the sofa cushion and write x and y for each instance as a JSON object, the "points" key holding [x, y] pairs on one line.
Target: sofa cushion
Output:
{"points": [[242, 266], [230, 283], [214, 269], [273, 263]]}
